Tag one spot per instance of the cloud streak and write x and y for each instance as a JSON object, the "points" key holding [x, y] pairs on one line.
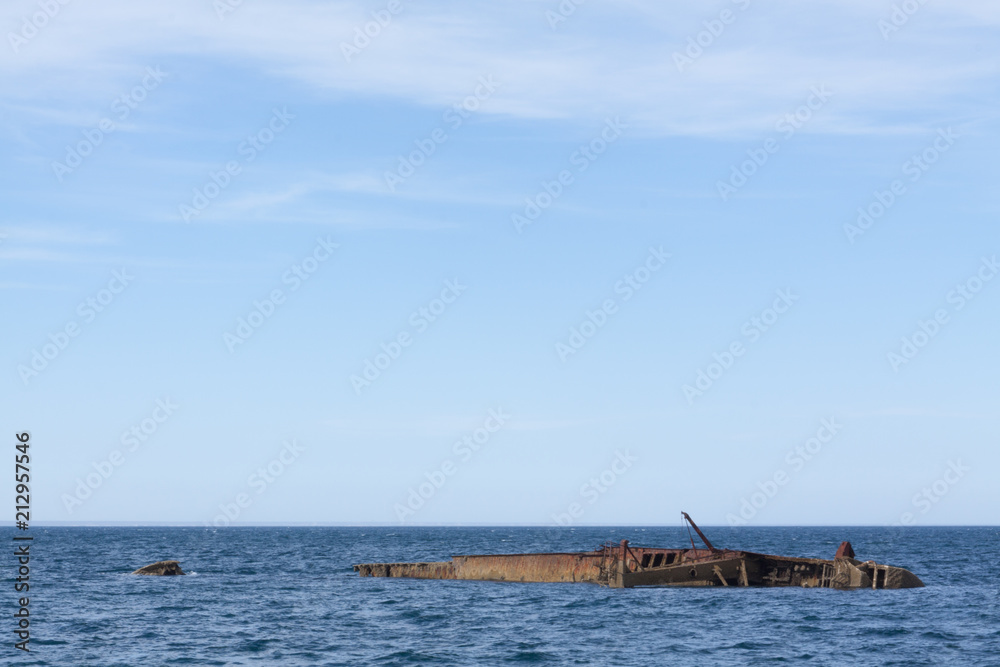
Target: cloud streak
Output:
{"points": [[613, 58]]}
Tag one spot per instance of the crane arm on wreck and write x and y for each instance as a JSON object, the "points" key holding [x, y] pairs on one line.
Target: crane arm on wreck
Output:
{"points": [[687, 517]]}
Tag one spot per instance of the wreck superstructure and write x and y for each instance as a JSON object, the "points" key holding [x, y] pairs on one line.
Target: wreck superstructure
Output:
{"points": [[625, 566]]}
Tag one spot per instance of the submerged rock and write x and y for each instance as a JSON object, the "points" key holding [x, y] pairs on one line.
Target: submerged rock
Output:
{"points": [[163, 568]]}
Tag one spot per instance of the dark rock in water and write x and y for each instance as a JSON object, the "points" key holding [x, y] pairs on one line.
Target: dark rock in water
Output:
{"points": [[163, 568]]}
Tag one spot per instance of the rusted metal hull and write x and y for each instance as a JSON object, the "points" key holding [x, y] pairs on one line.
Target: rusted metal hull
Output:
{"points": [[625, 566], [744, 568]]}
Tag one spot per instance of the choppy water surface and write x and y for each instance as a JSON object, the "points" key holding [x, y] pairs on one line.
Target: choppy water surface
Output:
{"points": [[289, 596]]}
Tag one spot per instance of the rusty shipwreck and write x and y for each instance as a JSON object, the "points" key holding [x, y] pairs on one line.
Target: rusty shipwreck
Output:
{"points": [[625, 566]]}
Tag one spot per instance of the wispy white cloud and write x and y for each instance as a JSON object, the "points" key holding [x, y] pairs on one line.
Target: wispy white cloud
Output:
{"points": [[308, 200], [611, 58], [61, 235], [359, 182]]}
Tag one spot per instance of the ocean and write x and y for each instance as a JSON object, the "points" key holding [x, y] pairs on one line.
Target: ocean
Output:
{"points": [[289, 596]]}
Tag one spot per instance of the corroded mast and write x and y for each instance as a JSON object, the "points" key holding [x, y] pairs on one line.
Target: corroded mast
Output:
{"points": [[704, 539]]}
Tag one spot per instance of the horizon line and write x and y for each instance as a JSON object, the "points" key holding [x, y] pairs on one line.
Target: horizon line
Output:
{"points": [[184, 524]]}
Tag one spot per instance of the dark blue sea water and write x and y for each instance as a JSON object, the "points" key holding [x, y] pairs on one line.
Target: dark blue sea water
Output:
{"points": [[288, 596]]}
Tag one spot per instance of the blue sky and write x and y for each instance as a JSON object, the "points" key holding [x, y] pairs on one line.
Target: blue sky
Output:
{"points": [[556, 232]]}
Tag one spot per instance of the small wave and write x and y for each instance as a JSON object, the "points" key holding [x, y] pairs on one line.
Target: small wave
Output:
{"points": [[748, 646], [255, 645], [530, 656], [889, 632]]}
